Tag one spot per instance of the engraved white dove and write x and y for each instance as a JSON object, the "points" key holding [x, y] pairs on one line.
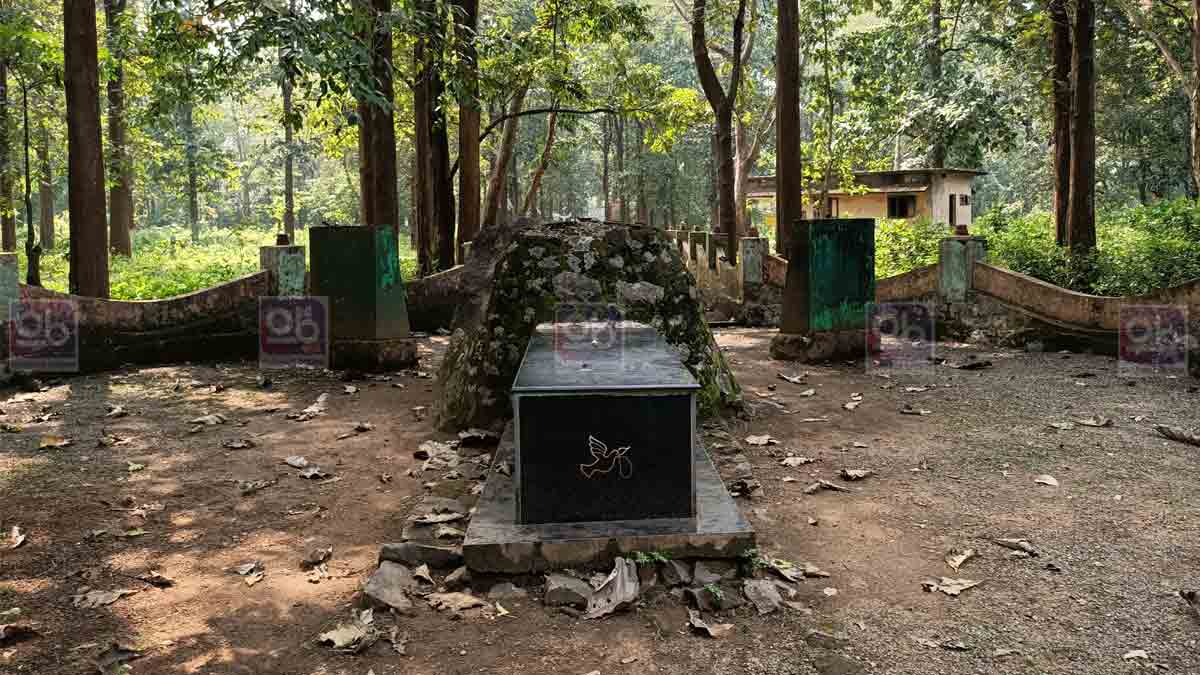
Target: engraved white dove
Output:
{"points": [[606, 460]]}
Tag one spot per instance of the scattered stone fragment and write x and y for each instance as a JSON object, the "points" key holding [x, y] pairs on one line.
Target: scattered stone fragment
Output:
{"points": [[823, 484], [713, 571], [314, 473], [296, 461], [1046, 479], [317, 556], [415, 553], [458, 579], [453, 602], [1063, 426], [314, 410], [447, 533], [855, 474], [971, 365], [908, 409], [763, 594], [156, 579], [1096, 421], [617, 591], [811, 571], [825, 640], [675, 573], [1004, 651], [762, 440], [505, 590], [422, 574], [249, 487], [949, 586], [209, 420], [716, 631], [566, 590], [829, 591], [794, 379], [238, 444], [955, 646], [363, 427], [1017, 545], [435, 518], [1135, 654], [388, 586], [956, 557], [478, 437]]}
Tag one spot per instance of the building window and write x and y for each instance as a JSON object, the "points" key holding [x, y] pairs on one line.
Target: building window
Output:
{"points": [[902, 206], [964, 200], [833, 207]]}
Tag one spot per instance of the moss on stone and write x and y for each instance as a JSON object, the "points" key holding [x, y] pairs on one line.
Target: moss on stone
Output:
{"points": [[637, 269]]}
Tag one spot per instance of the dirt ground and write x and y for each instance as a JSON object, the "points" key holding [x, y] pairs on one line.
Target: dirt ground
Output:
{"points": [[1117, 537]]}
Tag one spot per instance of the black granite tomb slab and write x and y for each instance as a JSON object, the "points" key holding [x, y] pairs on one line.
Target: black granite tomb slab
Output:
{"points": [[604, 426]]}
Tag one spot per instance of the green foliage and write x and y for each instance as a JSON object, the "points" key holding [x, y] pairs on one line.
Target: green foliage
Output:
{"points": [[166, 263], [902, 245], [715, 590], [650, 558], [755, 559]]}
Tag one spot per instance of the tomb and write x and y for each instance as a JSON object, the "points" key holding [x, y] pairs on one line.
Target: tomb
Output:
{"points": [[602, 459]]}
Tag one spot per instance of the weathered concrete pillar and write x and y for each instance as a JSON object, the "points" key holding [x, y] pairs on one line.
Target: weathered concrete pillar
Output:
{"points": [[694, 238], [286, 265], [956, 266], [710, 247], [754, 249], [10, 290]]}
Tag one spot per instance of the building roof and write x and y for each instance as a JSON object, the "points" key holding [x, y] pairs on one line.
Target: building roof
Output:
{"points": [[889, 189], [760, 186], [973, 172]]}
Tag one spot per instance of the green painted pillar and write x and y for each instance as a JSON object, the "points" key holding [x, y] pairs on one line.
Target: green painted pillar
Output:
{"points": [[287, 267], [10, 289], [956, 266], [358, 269]]}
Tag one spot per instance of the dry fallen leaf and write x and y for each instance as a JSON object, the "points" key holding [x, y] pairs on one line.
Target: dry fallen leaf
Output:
{"points": [[1096, 421], [94, 599], [1020, 545], [761, 440], [112, 660], [1178, 434], [15, 537], [1046, 479], [51, 442], [1063, 426], [1135, 654], [909, 410], [796, 461], [209, 420], [715, 631], [823, 484], [956, 557], [856, 474], [949, 586], [851, 405], [794, 379], [808, 392]]}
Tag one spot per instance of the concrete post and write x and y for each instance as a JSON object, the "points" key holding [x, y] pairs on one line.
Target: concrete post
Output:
{"points": [[956, 266], [10, 290], [754, 249], [286, 265], [693, 238], [710, 247]]}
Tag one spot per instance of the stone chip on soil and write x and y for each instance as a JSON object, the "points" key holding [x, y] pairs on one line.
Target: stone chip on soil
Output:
{"points": [[619, 589], [763, 594], [716, 631], [566, 590], [713, 571], [454, 602], [95, 599], [676, 573], [956, 557], [389, 585], [111, 660], [952, 587], [414, 553]]}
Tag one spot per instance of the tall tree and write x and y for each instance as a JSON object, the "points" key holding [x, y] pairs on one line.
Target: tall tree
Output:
{"points": [[1060, 47], [789, 174], [467, 23], [1081, 224], [377, 131], [535, 180], [498, 178], [85, 155], [8, 221], [120, 164], [934, 57], [287, 57], [722, 102], [45, 189]]}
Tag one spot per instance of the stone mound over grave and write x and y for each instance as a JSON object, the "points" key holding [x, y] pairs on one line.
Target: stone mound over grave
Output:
{"points": [[522, 274]]}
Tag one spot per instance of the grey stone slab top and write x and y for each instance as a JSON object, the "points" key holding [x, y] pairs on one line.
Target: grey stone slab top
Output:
{"points": [[600, 356]]}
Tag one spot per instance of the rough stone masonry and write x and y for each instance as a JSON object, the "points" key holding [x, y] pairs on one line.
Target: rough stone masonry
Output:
{"points": [[520, 275]]}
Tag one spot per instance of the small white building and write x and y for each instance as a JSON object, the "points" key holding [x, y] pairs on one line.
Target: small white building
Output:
{"points": [[941, 195]]}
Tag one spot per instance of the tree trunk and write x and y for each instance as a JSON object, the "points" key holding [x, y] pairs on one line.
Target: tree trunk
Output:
{"points": [[933, 56], [499, 174], [442, 184], [423, 161], [468, 126], [643, 209], [33, 249], [622, 199], [1081, 227], [606, 145], [85, 154], [722, 103], [193, 176], [289, 155], [121, 193], [535, 181], [45, 190], [376, 131], [1060, 32], [514, 184], [1194, 100], [8, 221], [789, 178]]}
